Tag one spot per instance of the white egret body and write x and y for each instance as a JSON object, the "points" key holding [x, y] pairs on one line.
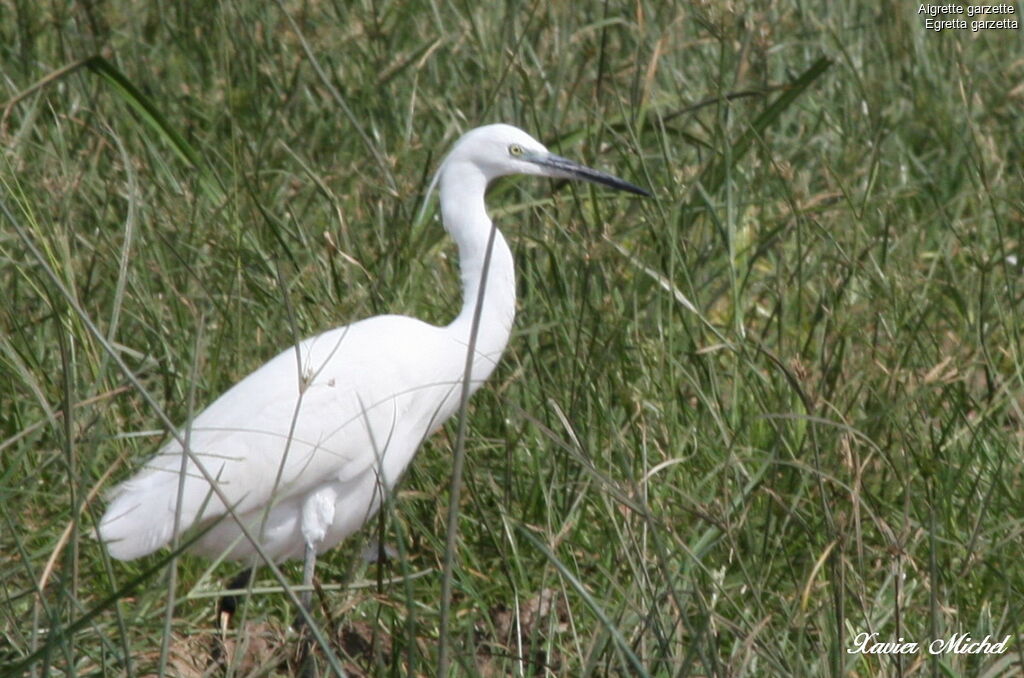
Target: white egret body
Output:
{"points": [[305, 448]]}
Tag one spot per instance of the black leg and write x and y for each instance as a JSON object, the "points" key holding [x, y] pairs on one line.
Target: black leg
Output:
{"points": [[227, 605], [306, 595], [307, 662]]}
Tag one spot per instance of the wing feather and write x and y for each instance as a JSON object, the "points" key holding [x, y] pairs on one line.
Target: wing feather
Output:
{"points": [[285, 429]]}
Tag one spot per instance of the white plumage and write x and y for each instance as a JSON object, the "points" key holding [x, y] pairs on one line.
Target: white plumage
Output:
{"points": [[306, 447]]}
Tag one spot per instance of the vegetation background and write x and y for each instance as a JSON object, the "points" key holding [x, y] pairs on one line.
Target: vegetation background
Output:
{"points": [[776, 406]]}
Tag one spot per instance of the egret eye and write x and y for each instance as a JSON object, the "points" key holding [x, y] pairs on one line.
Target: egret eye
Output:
{"points": [[515, 150]]}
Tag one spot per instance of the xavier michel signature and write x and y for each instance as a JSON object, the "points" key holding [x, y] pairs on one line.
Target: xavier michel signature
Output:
{"points": [[958, 643]]}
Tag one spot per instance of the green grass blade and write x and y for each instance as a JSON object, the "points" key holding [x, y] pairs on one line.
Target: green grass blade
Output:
{"points": [[150, 113], [595, 606], [714, 174]]}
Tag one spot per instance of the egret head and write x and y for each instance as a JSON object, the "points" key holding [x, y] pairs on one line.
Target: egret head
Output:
{"points": [[499, 150]]}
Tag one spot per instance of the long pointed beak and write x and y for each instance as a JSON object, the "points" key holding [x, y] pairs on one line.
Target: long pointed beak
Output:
{"points": [[570, 169]]}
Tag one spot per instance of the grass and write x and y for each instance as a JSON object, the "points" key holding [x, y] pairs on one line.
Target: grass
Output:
{"points": [[737, 425]]}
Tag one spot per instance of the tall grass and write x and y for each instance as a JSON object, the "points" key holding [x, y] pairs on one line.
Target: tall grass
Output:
{"points": [[774, 407]]}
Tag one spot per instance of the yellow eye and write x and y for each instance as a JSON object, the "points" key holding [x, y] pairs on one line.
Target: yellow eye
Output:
{"points": [[515, 150]]}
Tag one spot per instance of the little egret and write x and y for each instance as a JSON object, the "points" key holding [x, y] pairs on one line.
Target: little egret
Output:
{"points": [[304, 449]]}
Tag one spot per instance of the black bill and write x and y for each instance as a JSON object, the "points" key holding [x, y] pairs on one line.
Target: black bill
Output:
{"points": [[570, 169]]}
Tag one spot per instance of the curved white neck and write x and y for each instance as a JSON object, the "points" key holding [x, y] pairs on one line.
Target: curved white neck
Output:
{"points": [[465, 218]]}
